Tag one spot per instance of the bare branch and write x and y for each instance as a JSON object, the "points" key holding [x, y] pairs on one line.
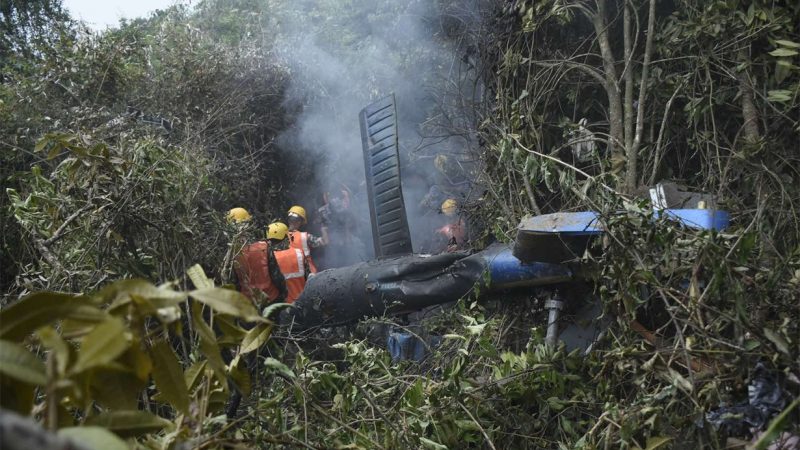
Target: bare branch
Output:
{"points": [[63, 227]]}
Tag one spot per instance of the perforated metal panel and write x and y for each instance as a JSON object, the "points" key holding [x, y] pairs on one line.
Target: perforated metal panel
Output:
{"points": [[390, 234]]}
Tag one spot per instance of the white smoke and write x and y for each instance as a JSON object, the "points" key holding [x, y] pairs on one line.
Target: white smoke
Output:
{"points": [[343, 55]]}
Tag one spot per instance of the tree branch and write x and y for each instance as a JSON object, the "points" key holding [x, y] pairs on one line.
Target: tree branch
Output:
{"points": [[659, 141], [63, 227]]}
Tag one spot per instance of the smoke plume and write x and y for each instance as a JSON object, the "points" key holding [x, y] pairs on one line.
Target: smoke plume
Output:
{"points": [[343, 55]]}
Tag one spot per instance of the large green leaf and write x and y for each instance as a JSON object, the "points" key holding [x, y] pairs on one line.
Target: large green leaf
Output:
{"points": [[232, 333], [138, 360], [18, 363], [103, 345], [256, 337], [427, 443], [116, 390], [208, 343], [16, 396], [95, 438], [240, 374], [198, 277], [129, 423], [168, 376], [122, 292], [655, 442], [36, 310], [226, 301], [279, 367], [193, 373], [783, 52], [52, 340], [777, 340]]}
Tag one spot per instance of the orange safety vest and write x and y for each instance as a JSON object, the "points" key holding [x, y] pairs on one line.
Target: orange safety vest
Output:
{"points": [[299, 240], [291, 262], [252, 268]]}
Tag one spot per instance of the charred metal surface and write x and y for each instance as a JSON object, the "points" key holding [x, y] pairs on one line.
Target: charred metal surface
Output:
{"points": [[390, 233], [412, 282]]}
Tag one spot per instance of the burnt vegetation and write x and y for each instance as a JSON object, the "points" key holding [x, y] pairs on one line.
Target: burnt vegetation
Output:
{"points": [[121, 151]]}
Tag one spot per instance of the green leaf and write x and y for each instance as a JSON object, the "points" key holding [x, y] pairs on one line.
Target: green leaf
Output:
{"points": [[16, 396], [476, 329], [95, 438], [256, 337], [656, 442], [427, 443], [277, 366], [783, 52], [121, 293], [18, 363], [778, 423], [168, 375], [193, 373], [116, 390], [468, 425], [129, 423], [241, 375], [785, 43], [208, 342], [555, 403], [199, 278], [751, 344], [777, 340], [232, 332], [780, 96], [138, 360], [226, 301], [678, 380], [52, 340], [104, 344], [271, 309], [36, 310], [41, 144]]}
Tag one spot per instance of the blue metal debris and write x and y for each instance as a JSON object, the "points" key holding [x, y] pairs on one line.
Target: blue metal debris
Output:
{"points": [[703, 219], [506, 271]]}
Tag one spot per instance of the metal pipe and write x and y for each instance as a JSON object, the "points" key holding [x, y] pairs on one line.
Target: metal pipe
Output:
{"points": [[554, 307]]}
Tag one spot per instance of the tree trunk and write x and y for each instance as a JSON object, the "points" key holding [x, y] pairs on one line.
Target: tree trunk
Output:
{"points": [[615, 114], [628, 75], [632, 176]]}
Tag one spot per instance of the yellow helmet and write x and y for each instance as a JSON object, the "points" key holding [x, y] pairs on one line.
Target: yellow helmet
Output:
{"points": [[449, 207], [277, 231], [238, 215], [298, 211]]}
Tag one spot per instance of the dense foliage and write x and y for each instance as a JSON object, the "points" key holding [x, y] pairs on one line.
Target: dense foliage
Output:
{"points": [[121, 150]]}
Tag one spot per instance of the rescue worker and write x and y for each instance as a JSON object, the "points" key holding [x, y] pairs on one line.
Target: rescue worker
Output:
{"points": [[239, 227], [260, 277], [292, 262], [449, 181], [303, 240], [453, 234]]}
